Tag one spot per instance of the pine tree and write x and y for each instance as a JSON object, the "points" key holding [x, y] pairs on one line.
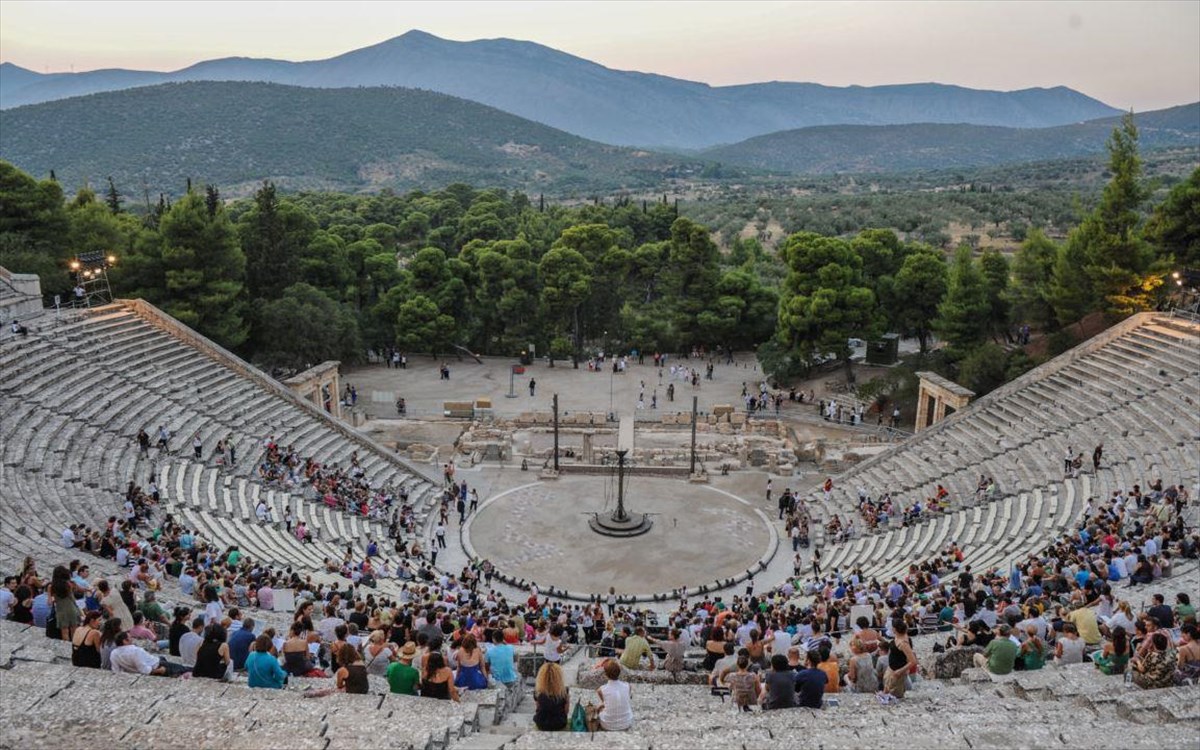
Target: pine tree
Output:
{"points": [[963, 315], [1033, 270], [113, 198], [205, 269], [1117, 260], [1070, 293]]}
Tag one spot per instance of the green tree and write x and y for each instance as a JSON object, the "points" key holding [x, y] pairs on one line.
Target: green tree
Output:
{"points": [[420, 327], [113, 198], [304, 327], [204, 269], [1032, 272], [273, 236], [691, 275], [962, 319], [919, 288], [1118, 259], [824, 301], [1174, 228], [1070, 293], [995, 270], [984, 368], [323, 263], [566, 278], [743, 314], [33, 227]]}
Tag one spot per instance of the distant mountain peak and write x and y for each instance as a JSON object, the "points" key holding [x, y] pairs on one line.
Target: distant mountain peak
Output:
{"points": [[416, 35], [583, 97]]}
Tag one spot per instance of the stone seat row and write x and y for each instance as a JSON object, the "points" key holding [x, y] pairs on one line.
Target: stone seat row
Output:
{"points": [[994, 533], [914, 469], [127, 375], [201, 376], [135, 711], [674, 716]]}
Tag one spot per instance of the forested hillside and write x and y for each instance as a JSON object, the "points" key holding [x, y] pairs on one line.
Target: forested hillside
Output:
{"points": [[237, 134]]}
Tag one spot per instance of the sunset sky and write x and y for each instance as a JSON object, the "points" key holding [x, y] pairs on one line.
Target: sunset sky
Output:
{"points": [[1144, 55]]}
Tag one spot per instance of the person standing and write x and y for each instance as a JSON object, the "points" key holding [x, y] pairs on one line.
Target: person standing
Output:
{"points": [[900, 659], [532, 386], [1096, 456]]}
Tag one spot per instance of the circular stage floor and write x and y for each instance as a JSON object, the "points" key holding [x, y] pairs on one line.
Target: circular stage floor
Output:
{"points": [[539, 532]]}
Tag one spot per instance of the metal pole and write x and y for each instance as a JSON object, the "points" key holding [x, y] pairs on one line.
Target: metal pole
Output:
{"points": [[556, 432], [695, 402], [620, 516], [610, 393]]}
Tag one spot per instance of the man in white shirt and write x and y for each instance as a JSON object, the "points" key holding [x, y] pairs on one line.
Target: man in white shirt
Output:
{"points": [[1130, 561], [744, 630], [7, 597], [187, 581], [781, 640], [328, 624], [68, 537], [131, 659]]}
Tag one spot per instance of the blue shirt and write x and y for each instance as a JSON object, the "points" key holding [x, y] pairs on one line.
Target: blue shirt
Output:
{"points": [[499, 658], [264, 671], [239, 647], [41, 609], [810, 687]]}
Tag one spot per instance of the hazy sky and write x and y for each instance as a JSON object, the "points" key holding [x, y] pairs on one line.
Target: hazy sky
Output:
{"points": [[1144, 55]]}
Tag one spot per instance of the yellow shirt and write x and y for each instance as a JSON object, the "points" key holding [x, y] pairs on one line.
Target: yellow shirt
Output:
{"points": [[1084, 620], [635, 647]]}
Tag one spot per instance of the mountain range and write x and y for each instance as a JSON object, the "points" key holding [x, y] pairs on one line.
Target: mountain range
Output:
{"points": [[592, 101], [235, 135], [901, 148]]}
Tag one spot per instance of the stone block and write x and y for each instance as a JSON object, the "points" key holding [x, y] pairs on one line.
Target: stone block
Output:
{"points": [[952, 663], [458, 409]]}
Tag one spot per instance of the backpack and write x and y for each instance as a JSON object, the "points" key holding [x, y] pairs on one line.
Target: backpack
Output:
{"points": [[52, 629], [578, 721]]}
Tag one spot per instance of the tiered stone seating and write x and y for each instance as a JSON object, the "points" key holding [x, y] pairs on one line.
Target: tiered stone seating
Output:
{"points": [[75, 394], [935, 715], [1134, 389], [60, 706]]}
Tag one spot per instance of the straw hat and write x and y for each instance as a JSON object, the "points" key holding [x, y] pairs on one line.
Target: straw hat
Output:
{"points": [[408, 652]]}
